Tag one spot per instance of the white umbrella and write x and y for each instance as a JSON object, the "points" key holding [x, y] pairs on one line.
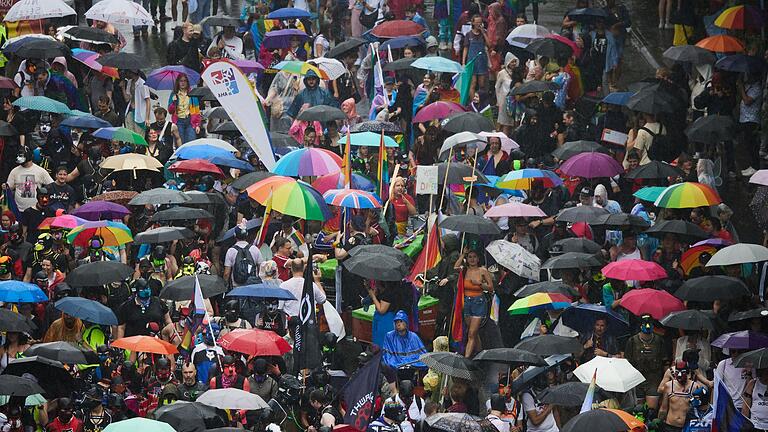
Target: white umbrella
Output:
{"points": [[613, 374], [522, 35], [232, 398], [507, 143], [123, 12], [740, 253], [26, 10], [215, 142], [464, 138], [515, 258], [334, 68]]}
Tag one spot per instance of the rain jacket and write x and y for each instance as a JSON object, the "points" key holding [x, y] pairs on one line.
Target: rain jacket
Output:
{"points": [[399, 350], [311, 95]]}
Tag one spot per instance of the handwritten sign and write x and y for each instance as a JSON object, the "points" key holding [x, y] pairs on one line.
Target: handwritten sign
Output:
{"points": [[426, 180]]}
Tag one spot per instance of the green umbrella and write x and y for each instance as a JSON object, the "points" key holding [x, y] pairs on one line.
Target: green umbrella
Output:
{"points": [[368, 139], [31, 400], [649, 193], [139, 424], [120, 134], [41, 103]]}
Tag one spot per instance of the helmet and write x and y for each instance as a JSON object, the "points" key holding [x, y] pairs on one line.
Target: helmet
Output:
{"points": [[227, 360], [41, 276], [394, 411], [14, 233], [44, 242], [94, 153], [62, 290], [206, 183], [232, 310]]}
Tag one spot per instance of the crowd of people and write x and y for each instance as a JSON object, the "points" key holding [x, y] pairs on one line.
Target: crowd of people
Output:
{"points": [[579, 262]]}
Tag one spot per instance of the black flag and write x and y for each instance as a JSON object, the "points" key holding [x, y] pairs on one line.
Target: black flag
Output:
{"points": [[306, 346], [360, 392]]}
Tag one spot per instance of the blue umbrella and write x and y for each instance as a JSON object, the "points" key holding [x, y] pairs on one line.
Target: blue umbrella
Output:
{"points": [[289, 13], [438, 64], [617, 98], [282, 38], [262, 290], [402, 42], [582, 319], [21, 292], [231, 161], [369, 139], [740, 63], [201, 152], [249, 226], [87, 310], [85, 122]]}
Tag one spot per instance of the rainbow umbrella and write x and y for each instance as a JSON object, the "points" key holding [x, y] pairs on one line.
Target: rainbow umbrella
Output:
{"points": [[522, 179], [721, 44], [688, 195], [112, 233], [740, 17], [351, 198], [649, 193], [336, 180], [120, 134], [308, 162], [300, 68], [691, 258], [539, 302], [290, 196], [164, 78], [90, 59]]}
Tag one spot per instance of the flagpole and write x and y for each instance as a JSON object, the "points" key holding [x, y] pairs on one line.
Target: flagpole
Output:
{"points": [[467, 196], [426, 256], [445, 179]]}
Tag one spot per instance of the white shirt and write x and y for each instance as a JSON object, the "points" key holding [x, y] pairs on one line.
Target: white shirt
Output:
{"points": [[141, 99], [414, 414], [295, 285], [25, 182], [500, 424], [735, 379], [548, 425], [233, 47]]}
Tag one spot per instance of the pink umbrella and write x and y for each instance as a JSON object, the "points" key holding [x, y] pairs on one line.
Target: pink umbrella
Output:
{"points": [[653, 302], [591, 165], [760, 178], [634, 270], [90, 59], [437, 111], [507, 143], [336, 180], [67, 221], [565, 40], [515, 209]]}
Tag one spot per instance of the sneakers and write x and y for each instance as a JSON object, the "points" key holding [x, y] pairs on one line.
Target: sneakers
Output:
{"points": [[661, 24], [748, 172]]}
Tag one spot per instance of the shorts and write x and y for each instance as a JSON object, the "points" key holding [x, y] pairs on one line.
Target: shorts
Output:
{"points": [[475, 306], [650, 387]]}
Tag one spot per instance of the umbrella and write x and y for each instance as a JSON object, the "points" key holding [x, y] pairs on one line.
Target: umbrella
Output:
{"points": [[547, 287], [507, 143], [189, 416], [591, 165], [344, 47], [159, 196], [278, 39], [375, 267], [514, 258], [51, 374], [85, 122], [122, 60], [163, 235], [574, 148], [203, 93], [265, 289], [332, 68], [689, 320], [183, 288], [613, 374], [205, 198], [550, 344], [711, 129], [437, 64], [689, 54], [457, 172], [7, 129], [510, 356], [96, 210], [111, 233], [145, 344], [634, 270], [522, 35], [308, 162], [196, 166], [649, 193], [740, 63], [652, 100], [41, 103], [352, 198], [336, 180], [250, 226], [13, 291], [604, 420], [288, 13], [380, 250], [123, 12], [90, 59], [377, 127], [679, 228], [692, 258], [321, 113], [180, 213], [582, 319], [437, 111], [467, 121], [575, 244], [368, 139], [688, 195], [525, 379], [139, 424], [60, 351], [549, 47], [538, 302], [246, 180], [524, 178], [748, 314], [617, 98], [535, 87], [740, 17], [164, 78], [219, 113], [220, 20], [402, 42], [472, 224], [655, 170], [394, 28], [92, 35], [38, 49], [740, 253], [455, 422], [131, 162], [622, 221], [404, 63], [515, 209], [569, 394], [120, 134], [656, 303], [463, 139], [451, 364], [232, 398], [29, 10], [741, 340], [711, 288], [14, 322], [11, 385], [117, 196], [99, 273], [255, 342], [586, 214], [87, 310], [721, 44], [757, 359], [571, 260], [300, 68]]}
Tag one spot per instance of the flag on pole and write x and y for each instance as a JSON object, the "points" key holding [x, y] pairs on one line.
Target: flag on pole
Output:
{"points": [[360, 393], [590, 397], [464, 80], [346, 163], [262, 237], [429, 255], [383, 168], [197, 313], [306, 346], [727, 417], [457, 322], [377, 94]]}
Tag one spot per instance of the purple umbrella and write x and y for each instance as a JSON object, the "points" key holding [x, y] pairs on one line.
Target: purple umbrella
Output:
{"points": [[97, 210], [165, 77], [742, 340], [591, 165], [437, 111], [716, 241], [248, 66], [282, 38]]}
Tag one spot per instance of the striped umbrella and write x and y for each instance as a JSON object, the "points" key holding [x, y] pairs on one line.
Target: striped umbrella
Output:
{"points": [[290, 196], [691, 258], [120, 134], [352, 198], [539, 302], [300, 68], [333, 68], [112, 233], [164, 78], [522, 179], [308, 162], [337, 180], [740, 17], [688, 195]]}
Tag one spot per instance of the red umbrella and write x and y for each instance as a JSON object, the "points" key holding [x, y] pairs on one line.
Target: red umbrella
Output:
{"points": [[255, 342], [656, 303], [195, 166], [437, 110], [395, 28], [565, 40], [634, 270]]}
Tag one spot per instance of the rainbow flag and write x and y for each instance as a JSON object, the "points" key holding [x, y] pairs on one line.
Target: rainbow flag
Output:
{"points": [[195, 319], [297, 238], [346, 163], [457, 321], [383, 167], [430, 254], [590, 397], [265, 223]]}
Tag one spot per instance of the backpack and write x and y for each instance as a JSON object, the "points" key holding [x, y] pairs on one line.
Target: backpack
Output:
{"points": [[661, 148], [244, 266]]}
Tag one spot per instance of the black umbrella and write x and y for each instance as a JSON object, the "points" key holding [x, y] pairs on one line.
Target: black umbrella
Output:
{"points": [[652, 100], [458, 422], [376, 126], [321, 113], [342, 48], [203, 93], [690, 320], [711, 288], [163, 235], [39, 49], [451, 364], [226, 128], [11, 321], [242, 182], [524, 380], [655, 170], [748, 314], [183, 288], [282, 140], [510, 356], [575, 244], [217, 113], [205, 198], [573, 148], [180, 213], [220, 20], [587, 13], [711, 129], [599, 420], [467, 121], [535, 87], [582, 319], [378, 249], [757, 359], [123, 60], [159, 196], [550, 344], [457, 172], [98, 273], [11, 385], [250, 226], [586, 214], [90, 34], [569, 394], [472, 224], [549, 47], [50, 374], [64, 352], [572, 260], [554, 287], [680, 228], [690, 54], [741, 63], [400, 64], [376, 267], [189, 416], [7, 129], [622, 221]]}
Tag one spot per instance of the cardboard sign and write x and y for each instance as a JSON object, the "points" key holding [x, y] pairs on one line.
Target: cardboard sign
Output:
{"points": [[426, 180], [614, 137]]}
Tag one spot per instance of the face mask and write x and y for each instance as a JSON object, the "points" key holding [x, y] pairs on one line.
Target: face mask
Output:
{"points": [[695, 402], [65, 416], [646, 328], [229, 370], [230, 316], [20, 159], [145, 293], [259, 378]]}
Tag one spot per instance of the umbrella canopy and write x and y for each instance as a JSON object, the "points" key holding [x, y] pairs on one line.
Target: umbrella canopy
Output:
{"points": [[507, 143], [538, 302], [7, 129], [131, 162], [11, 385], [510, 356], [99, 273], [41, 103], [120, 134], [741, 340], [291, 197], [634, 269], [39, 49], [757, 359], [535, 87], [607, 420], [547, 287], [288, 13], [232, 398], [550, 47], [163, 235], [525, 33], [331, 67], [116, 196], [590, 215], [180, 213], [569, 394], [689, 320], [748, 314], [145, 344], [123, 12], [13, 291], [472, 224], [515, 258], [246, 180], [582, 319], [617, 98], [351, 198], [301, 68], [14, 322], [64, 352], [267, 290], [573, 148], [693, 257], [87, 310], [159, 196], [438, 64], [571, 260], [377, 127], [613, 374], [515, 209], [85, 122], [437, 111], [189, 416], [122, 59], [321, 113], [376, 267], [591, 165], [111, 233], [399, 64], [97, 210], [680, 228], [688, 195], [457, 172], [575, 244], [402, 42], [139, 424], [467, 121], [463, 139], [183, 288], [451, 364], [550, 344], [711, 288], [760, 178], [380, 250], [28, 10], [395, 28], [741, 63], [346, 46], [54, 379], [653, 302], [277, 39], [92, 35], [255, 342], [529, 375], [220, 20], [622, 221], [740, 253], [689, 54], [649, 193], [368, 139], [524, 178], [655, 170], [652, 100], [164, 78], [740, 18], [721, 44], [456, 422], [337, 180]]}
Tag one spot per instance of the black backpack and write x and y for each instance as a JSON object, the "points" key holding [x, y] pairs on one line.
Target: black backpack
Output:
{"points": [[244, 266], [661, 147]]}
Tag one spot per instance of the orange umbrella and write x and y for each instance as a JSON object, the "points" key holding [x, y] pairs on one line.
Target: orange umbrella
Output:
{"points": [[721, 44], [262, 190], [145, 344]]}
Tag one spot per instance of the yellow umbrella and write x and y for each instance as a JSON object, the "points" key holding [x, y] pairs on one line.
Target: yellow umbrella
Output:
{"points": [[131, 162]]}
